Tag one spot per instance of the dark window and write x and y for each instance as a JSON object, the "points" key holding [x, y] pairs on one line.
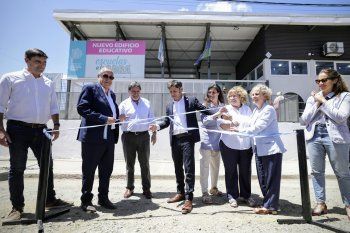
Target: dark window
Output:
{"points": [[279, 67], [343, 68], [320, 65], [259, 72], [299, 68]]}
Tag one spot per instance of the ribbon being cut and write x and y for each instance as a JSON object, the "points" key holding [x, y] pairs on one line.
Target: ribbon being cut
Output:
{"points": [[154, 120]]}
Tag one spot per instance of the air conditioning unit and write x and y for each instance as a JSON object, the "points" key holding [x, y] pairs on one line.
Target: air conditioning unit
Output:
{"points": [[333, 49]]}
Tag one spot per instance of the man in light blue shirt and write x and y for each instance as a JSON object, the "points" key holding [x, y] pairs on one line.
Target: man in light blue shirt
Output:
{"points": [[137, 114]]}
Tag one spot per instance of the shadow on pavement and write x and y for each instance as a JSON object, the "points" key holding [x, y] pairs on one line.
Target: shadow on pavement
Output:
{"points": [[130, 206], [162, 195], [289, 209], [3, 176], [76, 213], [337, 210]]}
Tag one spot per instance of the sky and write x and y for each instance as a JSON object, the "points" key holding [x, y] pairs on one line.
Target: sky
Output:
{"points": [[30, 24]]}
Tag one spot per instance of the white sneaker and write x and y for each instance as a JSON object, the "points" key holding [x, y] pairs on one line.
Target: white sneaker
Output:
{"points": [[233, 202]]}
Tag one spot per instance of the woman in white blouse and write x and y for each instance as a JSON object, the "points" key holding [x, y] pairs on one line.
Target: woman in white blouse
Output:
{"points": [[236, 151], [325, 116], [267, 146]]}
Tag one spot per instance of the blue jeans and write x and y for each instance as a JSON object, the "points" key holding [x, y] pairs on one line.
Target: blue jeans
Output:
{"points": [[338, 155]]}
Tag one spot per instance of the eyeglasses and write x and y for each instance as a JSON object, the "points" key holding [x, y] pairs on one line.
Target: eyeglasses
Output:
{"points": [[107, 76], [318, 81]]}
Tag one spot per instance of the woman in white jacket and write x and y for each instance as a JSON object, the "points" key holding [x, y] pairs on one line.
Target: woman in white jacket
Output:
{"points": [[267, 146], [325, 116]]}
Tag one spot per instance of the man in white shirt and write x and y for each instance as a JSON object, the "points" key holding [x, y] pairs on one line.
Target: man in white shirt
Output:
{"points": [[28, 100], [184, 133], [137, 114]]}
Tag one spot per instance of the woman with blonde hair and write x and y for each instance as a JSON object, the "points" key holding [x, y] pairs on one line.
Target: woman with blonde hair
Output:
{"points": [[267, 146], [236, 151], [325, 116]]}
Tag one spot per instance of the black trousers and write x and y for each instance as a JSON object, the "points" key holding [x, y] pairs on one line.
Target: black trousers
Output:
{"points": [[269, 169], [238, 171], [140, 144], [95, 155], [23, 138], [182, 150]]}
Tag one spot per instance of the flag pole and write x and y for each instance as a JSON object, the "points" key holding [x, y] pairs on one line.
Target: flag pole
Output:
{"points": [[162, 68], [209, 73]]}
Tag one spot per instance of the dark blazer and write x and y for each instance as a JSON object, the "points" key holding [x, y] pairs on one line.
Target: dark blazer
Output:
{"points": [[94, 109], [191, 104]]}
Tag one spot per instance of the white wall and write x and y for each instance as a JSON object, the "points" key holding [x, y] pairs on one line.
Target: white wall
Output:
{"points": [[299, 84]]}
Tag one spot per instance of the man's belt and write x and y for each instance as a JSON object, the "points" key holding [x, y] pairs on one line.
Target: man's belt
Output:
{"points": [[25, 124], [136, 133], [182, 135]]}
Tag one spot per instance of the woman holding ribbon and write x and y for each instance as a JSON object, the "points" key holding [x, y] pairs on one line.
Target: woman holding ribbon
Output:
{"points": [[235, 150], [209, 150], [268, 147], [325, 116]]}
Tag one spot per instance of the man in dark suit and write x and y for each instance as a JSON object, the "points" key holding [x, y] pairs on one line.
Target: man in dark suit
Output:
{"points": [[97, 106], [184, 134]]}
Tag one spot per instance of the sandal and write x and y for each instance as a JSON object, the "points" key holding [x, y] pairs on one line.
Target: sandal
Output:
{"points": [[263, 210]]}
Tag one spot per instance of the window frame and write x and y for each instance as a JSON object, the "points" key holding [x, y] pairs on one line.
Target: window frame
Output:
{"points": [[300, 61], [335, 65], [279, 60]]}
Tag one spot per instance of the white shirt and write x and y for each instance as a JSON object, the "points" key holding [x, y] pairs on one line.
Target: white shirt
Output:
{"points": [[136, 112], [180, 122], [111, 103], [26, 98], [242, 115]]}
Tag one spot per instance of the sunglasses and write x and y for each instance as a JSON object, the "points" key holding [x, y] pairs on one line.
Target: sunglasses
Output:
{"points": [[107, 76], [324, 80]]}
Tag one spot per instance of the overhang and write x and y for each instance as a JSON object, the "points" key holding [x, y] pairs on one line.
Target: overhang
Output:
{"points": [[185, 35]]}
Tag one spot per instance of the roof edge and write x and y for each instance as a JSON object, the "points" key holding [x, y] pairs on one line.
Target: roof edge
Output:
{"points": [[200, 17]]}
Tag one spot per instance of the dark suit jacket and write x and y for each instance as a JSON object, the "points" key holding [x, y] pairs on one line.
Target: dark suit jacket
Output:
{"points": [[94, 109], [191, 104]]}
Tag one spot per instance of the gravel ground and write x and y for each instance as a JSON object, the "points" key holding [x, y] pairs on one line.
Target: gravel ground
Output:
{"points": [[138, 214]]}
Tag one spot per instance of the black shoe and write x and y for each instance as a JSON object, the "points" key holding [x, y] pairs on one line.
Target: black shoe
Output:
{"points": [[147, 194], [88, 207], [106, 203]]}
